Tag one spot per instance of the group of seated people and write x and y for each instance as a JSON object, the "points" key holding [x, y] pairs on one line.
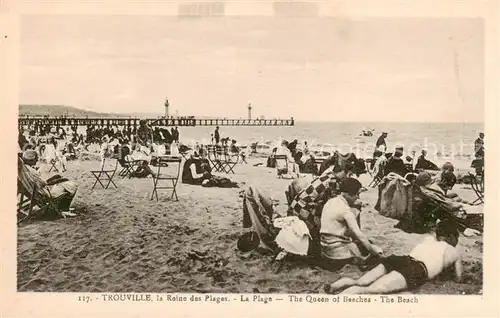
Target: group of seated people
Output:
{"points": [[321, 225], [196, 169], [302, 161]]}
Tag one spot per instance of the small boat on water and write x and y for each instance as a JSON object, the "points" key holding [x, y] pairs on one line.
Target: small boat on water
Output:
{"points": [[367, 132]]}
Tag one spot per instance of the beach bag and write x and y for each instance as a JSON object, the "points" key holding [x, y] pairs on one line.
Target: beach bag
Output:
{"points": [[395, 197]]}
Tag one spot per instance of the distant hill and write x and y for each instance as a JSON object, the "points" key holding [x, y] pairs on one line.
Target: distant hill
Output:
{"points": [[59, 110]]}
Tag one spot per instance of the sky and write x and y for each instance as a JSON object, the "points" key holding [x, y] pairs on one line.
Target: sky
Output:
{"points": [[312, 69]]}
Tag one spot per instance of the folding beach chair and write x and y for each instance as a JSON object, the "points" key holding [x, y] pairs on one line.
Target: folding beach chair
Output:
{"points": [[227, 161], [378, 177], [105, 175], [173, 176], [31, 195], [279, 168], [213, 158], [477, 189], [319, 162], [128, 166], [368, 164], [53, 162]]}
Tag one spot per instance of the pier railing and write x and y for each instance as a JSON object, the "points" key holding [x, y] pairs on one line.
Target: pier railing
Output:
{"points": [[160, 121]]}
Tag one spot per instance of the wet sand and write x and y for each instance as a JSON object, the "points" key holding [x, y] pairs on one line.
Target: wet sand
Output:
{"points": [[123, 242]]}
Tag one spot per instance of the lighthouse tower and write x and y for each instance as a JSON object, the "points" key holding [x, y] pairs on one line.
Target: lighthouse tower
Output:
{"points": [[166, 107], [249, 110]]}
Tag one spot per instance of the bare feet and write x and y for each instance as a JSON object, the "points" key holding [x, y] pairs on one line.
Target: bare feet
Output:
{"points": [[339, 284]]}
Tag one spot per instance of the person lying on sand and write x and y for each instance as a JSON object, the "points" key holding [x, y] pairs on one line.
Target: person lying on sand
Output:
{"points": [[433, 255], [342, 241], [197, 171], [444, 183]]}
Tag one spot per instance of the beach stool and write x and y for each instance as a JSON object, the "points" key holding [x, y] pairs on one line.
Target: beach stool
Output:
{"points": [[105, 175], [163, 162]]}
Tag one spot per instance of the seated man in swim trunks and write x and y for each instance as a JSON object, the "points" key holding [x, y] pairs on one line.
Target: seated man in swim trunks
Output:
{"points": [[433, 255]]}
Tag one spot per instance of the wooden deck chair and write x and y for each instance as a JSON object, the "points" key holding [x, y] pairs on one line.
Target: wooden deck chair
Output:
{"points": [[477, 189], [280, 170], [163, 162], [31, 195], [105, 175]]}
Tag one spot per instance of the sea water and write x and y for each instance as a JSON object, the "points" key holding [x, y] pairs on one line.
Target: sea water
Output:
{"points": [[443, 141]]}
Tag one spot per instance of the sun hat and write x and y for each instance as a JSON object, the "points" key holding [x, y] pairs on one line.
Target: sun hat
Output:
{"points": [[29, 155], [248, 242]]}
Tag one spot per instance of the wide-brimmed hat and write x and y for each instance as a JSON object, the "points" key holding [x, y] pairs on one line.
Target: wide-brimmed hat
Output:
{"points": [[30, 155], [248, 242]]}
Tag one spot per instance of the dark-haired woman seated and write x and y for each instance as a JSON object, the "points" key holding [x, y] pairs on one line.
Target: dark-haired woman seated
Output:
{"points": [[196, 169]]}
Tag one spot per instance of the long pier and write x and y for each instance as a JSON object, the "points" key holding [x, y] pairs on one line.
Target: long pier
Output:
{"points": [[160, 121]]}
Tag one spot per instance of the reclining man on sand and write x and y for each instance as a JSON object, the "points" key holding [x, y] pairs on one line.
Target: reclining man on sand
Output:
{"points": [[433, 255]]}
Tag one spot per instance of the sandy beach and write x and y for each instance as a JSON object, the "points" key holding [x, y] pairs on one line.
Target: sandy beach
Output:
{"points": [[123, 242]]}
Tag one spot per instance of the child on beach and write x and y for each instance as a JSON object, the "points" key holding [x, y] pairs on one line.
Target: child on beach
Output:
{"points": [[433, 255]]}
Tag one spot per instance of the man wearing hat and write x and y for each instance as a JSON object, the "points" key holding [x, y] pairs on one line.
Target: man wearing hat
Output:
{"points": [[216, 135], [479, 146], [30, 157], [380, 145], [395, 163]]}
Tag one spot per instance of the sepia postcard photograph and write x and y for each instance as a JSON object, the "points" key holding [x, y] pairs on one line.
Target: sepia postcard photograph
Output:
{"points": [[293, 157]]}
